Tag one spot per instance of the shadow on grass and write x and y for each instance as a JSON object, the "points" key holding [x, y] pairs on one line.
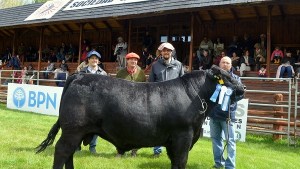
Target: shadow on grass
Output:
{"points": [[155, 164]]}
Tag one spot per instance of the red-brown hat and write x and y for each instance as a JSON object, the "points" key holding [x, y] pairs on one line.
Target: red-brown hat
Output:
{"points": [[132, 55]]}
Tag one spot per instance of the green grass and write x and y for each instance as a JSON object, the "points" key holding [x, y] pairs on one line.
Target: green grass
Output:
{"points": [[21, 132]]}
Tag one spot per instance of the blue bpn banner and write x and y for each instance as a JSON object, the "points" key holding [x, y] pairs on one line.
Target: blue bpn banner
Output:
{"points": [[34, 98]]}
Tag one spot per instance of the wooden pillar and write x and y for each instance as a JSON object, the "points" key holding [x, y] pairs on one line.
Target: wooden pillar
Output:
{"points": [[269, 40], [129, 36], [40, 48], [191, 44], [14, 43], [80, 40]]}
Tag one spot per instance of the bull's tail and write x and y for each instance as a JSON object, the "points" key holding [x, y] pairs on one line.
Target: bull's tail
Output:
{"points": [[50, 138]]}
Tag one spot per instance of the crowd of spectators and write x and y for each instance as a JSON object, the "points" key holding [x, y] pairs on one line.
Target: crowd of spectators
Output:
{"points": [[247, 54]]}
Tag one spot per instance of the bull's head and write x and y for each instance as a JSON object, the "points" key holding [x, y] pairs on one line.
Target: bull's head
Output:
{"points": [[222, 77]]}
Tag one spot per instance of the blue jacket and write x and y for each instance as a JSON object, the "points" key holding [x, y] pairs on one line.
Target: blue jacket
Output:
{"points": [[217, 113]]}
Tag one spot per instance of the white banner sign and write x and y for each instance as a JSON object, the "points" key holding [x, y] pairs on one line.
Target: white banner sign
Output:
{"points": [[81, 4], [47, 10], [34, 98], [240, 124]]}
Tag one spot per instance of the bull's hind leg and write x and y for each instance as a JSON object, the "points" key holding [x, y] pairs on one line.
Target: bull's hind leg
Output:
{"points": [[178, 150], [64, 150]]}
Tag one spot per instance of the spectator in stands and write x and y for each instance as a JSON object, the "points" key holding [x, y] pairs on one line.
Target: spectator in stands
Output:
{"points": [[145, 56], [120, 52], [24, 75], [47, 70], [15, 62], [46, 53], [71, 53], [31, 54], [247, 63], [247, 44], [52, 56], [262, 41], [83, 64], [222, 125], [206, 44], [56, 72], [63, 63], [218, 58], [148, 42], [235, 61], [85, 53], [21, 52], [234, 46], [277, 55], [93, 68], [205, 60], [60, 55], [62, 76], [31, 75], [133, 73], [286, 66], [6, 56], [218, 47], [195, 61], [262, 72], [259, 55]]}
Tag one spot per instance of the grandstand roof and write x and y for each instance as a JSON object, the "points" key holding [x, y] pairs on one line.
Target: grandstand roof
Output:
{"points": [[14, 17]]}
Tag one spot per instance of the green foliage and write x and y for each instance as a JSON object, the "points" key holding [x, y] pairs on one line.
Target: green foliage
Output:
{"points": [[21, 132]]}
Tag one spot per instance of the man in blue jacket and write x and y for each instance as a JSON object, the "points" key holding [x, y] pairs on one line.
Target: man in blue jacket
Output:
{"points": [[222, 122]]}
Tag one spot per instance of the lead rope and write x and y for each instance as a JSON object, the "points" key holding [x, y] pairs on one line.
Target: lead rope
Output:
{"points": [[227, 135]]}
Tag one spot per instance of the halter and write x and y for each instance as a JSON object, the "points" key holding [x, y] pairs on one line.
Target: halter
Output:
{"points": [[203, 102]]}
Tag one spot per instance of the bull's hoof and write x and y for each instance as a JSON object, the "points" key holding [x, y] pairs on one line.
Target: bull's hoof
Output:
{"points": [[93, 151], [119, 155], [134, 153]]}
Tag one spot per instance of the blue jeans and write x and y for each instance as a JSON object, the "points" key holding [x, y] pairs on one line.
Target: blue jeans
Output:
{"points": [[218, 133], [287, 69], [157, 150], [93, 143]]}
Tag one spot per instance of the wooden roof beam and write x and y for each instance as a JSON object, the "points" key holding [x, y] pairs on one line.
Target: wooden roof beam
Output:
{"points": [[282, 13], [257, 13], [107, 25], [51, 30], [197, 17], [93, 26], [210, 14], [67, 27], [58, 28], [3, 34], [236, 18], [6, 32]]}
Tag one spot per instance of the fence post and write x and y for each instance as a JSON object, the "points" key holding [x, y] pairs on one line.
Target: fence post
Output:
{"points": [[278, 114]]}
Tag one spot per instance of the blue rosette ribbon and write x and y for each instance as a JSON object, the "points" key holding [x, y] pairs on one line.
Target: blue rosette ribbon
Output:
{"points": [[214, 96], [226, 99]]}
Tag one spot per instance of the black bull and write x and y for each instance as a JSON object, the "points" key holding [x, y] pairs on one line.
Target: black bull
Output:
{"points": [[134, 115]]}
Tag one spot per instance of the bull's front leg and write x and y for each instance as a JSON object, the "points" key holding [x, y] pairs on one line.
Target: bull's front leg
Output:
{"points": [[178, 149]]}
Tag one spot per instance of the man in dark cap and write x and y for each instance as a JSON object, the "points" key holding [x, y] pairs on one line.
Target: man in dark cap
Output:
{"points": [[93, 68]]}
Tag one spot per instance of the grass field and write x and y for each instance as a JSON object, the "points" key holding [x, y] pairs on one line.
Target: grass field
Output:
{"points": [[21, 132]]}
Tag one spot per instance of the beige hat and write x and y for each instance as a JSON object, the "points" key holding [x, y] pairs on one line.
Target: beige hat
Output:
{"points": [[166, 45]]}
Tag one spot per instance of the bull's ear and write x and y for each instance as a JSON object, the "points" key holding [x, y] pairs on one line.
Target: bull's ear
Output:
{"points": [[216, 70]]}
